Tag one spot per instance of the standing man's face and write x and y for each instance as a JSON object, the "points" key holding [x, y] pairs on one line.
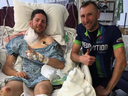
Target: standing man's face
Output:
{"points": [[39, 23], [89, 17]]}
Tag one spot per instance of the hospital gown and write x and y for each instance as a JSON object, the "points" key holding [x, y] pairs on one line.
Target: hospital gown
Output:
{"points": [[32, 67]]}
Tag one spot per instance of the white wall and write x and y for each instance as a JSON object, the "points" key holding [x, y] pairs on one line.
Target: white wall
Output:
{"points": [[122, 16], [120, 22], [4, 3]]}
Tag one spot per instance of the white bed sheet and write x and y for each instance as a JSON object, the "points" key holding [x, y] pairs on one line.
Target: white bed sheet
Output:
{"points": [[83, 86]]}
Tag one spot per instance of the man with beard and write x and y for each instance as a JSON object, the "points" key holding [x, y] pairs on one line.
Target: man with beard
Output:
{"points": [[44, 52], [98, 43]]}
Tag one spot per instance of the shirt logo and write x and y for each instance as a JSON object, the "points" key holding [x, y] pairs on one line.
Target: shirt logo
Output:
{"points": [[102, 47], [119, 40], [86, 45], [99, 48], [100, 37]]}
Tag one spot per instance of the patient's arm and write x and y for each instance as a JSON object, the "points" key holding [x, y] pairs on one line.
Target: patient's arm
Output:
{"points": [[55, 63], [51, 62], [8, 68]]}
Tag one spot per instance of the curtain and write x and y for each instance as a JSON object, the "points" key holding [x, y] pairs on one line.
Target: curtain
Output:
{"points": [[7, 14], [72, 20]]}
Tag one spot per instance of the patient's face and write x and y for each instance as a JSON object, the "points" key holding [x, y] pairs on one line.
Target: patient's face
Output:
{"points": [[39, 23]]}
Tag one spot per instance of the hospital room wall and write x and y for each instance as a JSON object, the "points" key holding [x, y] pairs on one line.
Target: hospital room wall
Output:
{"points": [[122, 16], [120, 22], [4, 3]]}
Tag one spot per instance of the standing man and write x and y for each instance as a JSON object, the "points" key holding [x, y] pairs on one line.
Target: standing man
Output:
{"points": [[98, 42]]}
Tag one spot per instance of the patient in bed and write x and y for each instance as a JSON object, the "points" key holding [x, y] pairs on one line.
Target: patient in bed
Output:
{"points": [[36, 49]]}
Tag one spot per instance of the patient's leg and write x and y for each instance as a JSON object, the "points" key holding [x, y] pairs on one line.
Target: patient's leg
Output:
{"points": [[44, 87], [12, 88]]}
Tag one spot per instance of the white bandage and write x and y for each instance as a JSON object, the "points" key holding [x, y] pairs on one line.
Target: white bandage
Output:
{"points": [[35, 57], [31, 37], [30, 56], [40, 57]]}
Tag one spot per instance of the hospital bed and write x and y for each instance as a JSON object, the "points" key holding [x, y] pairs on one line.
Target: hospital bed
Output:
{"points": [[57, 16]]}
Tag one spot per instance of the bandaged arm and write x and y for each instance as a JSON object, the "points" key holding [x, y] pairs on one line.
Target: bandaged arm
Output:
{"points": [[53, 62]]}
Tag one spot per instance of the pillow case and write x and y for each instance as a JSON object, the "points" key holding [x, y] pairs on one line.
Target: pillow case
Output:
{"points": [[57, 15]]}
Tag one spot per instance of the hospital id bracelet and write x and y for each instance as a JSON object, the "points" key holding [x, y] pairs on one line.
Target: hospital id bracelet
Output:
{"points": [[42, 58], [46, 59]]}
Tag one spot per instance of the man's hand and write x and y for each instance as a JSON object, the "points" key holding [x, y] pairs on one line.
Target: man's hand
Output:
{"points": [[30, 53], [87, 59], [21, 74], [101, 91]]}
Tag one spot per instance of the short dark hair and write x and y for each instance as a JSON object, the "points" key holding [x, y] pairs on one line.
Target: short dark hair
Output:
{"points": [[84, 4], [36, 11]]}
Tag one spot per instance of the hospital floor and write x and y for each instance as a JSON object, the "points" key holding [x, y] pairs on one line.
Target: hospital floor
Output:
{"points": [[121, 93]]}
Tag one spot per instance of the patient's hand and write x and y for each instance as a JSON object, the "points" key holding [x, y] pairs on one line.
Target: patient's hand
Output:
{"points": [[30, 53], [21, 74]]}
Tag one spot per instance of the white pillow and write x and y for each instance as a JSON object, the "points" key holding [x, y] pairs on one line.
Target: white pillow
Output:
{"points": [[57, 15]]}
